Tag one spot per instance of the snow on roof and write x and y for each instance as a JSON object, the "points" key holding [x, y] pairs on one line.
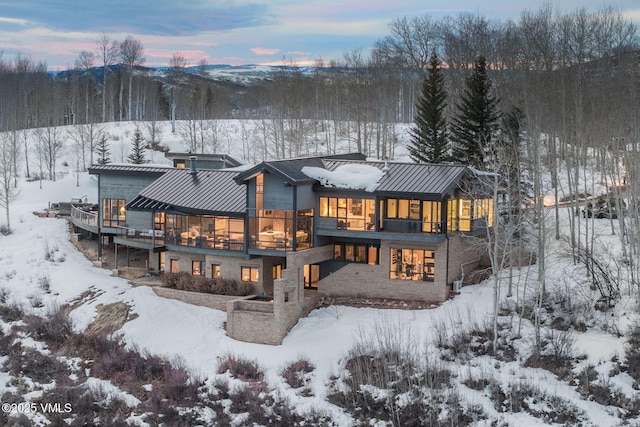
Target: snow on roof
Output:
{"points": [[353, 176]]}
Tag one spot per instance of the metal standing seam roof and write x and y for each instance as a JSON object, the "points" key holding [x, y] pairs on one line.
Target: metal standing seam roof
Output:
{"points": [[225, 158], [433, 179], [127, 168], [211, 191], [291, 169]]}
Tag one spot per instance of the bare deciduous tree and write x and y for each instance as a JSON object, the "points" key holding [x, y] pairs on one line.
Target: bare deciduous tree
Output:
{"points": [[107, 52], [8, 191], [131, 55]]}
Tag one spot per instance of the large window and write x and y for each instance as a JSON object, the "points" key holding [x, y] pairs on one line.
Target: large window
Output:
{"points": [[114, 213], [158, 221], [197, 268], [463, 214], [249, 274], [358, 253], [412, 264], [215, 271], [351, 213], [214, 232], [412, 216], [431, 217]]}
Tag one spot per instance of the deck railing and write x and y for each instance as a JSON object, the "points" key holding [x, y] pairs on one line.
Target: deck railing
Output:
{"points": [[81, 217]]}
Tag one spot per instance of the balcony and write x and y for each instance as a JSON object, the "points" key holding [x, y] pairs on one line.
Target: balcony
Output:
{"points": [[137, 238], [391, 229], [412, 226], [218, 241], [84, 218]]}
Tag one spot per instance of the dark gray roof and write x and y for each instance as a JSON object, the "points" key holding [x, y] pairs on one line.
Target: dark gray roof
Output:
{"points": [[290, 170], [227, 160], [128, 168], [209, 191], [422, 178]]}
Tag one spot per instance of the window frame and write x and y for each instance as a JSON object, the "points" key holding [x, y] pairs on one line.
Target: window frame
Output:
{"points": [[197, 267], [252, 273], [215, 271]]}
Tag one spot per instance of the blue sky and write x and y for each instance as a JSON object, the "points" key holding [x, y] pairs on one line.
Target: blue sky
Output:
{"points": [[233, 31]]}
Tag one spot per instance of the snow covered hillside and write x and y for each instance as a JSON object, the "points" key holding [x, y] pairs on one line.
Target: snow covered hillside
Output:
{"points": [[40, 268]]}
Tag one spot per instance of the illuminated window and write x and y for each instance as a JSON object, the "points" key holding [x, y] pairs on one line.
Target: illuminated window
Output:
{"points": [[197, 268], [215, 271], [277, 271], [114, 213], [412, 264], [259, 191], [173, 265], [358, 253], [249, 274], [352, 214]]}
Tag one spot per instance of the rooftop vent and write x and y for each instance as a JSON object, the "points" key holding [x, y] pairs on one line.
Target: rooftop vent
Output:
{"points": [[192, 164]]}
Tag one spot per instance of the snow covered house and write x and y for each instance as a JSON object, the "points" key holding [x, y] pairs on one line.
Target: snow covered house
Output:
{"points": [[335, 225]]}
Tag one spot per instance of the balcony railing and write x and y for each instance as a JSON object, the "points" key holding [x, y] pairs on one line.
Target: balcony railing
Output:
{"points": [[85, 217], [82, 216], [413, 226], [153, 237], [225, 242]]}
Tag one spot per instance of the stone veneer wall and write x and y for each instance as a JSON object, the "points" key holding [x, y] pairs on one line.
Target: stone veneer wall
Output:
{"points": [[250, 321], [230, 266], [217, 302], [363, 280], [463, 251]]}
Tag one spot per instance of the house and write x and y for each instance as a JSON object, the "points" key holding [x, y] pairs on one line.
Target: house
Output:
{"points": [[335, 225]]}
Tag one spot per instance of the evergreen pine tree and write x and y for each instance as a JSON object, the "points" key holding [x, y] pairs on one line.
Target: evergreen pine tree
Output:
{"points": [[429, 137], [137, 150], [474, 125], [103, 152]]}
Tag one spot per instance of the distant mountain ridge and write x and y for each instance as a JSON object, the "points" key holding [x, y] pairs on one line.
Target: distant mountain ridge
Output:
{"points": [[236, 74]]}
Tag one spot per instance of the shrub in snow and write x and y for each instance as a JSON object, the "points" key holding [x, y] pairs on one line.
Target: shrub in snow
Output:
{"points": [[632, 352], [387, 380], [4, 295], [523, 397], [11, 311], [54, 327], [186, 282], [5, 230], [241, 368], [296, 373]]}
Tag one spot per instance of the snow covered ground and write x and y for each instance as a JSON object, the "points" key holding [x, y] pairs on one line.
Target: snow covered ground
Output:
{"points": [[195, 335]]}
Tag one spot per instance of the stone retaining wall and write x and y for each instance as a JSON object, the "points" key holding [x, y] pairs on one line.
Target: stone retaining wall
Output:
{"points": [[218, 302]]}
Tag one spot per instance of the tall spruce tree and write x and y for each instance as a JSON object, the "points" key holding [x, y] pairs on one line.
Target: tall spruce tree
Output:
{"points": [[429, 142], [102, 151], [476, 120], [137, 149]]}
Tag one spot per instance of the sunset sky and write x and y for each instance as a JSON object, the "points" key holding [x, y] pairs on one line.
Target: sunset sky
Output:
{"points": [[234, 31]]}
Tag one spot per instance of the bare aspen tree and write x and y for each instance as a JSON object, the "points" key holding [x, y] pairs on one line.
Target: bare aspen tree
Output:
{"points": [[85, 62], [131, 53], [8, 191], [107, 52], [177, 65], [411, 42], [49, 146]]}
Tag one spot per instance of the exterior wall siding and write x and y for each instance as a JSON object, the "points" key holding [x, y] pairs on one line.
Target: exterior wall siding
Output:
{"points": [[127, 188], [277, 195], [230, 267], [373, 280], [305, 198]]}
